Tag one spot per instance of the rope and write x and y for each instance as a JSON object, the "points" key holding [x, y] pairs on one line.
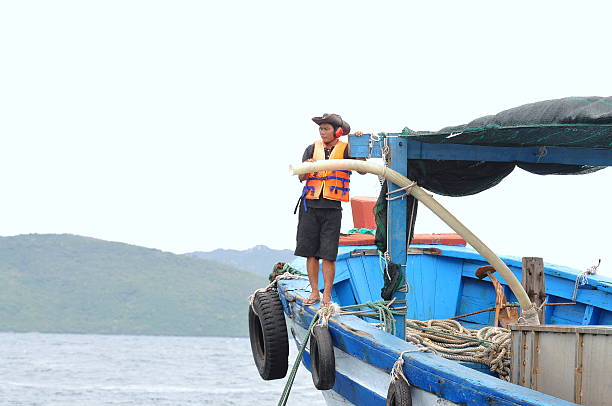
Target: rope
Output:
{"points": [[373, 138], [406, 189], [386, 151], [387, 261], [327, 312], [583, 278], [383, 268], [272, 285], [529, 317], [397, 371], [324, 314], [449, 339], [380, 310], [285, 395]]}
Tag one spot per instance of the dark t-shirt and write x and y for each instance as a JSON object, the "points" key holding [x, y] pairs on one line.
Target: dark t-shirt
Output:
{"points": [[322, 203]]}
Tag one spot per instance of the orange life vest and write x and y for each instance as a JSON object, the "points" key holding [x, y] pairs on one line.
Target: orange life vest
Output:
{"points": [[334, 184]]}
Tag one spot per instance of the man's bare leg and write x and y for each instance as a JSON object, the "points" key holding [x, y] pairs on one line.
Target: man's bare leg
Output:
{"points": [[312, 267], [329, 271]]}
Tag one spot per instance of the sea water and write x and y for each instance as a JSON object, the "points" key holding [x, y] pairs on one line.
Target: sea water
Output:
{"points": [[83, 370]]}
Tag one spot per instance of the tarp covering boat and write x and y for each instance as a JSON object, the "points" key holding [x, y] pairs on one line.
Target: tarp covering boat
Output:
{"points": [[581, 122], [576, 122], [572, 122]]}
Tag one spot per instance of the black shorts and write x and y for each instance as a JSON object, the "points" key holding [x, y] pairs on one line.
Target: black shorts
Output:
{"points": [[318, 233]]}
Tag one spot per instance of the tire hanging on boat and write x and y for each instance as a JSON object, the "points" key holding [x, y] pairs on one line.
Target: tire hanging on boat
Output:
{"points": [[322, 361], [399, 393], [268, 335]]}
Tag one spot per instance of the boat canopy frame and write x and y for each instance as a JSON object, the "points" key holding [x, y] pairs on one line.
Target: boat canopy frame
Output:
{"points": [[397, 149], [371, 146]]}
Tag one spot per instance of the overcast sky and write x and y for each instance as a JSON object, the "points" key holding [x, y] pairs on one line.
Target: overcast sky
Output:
{"points": [[171, 124]]}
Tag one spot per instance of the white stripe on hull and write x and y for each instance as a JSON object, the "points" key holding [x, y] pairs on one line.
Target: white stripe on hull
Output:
{"points": [[368, 376]]}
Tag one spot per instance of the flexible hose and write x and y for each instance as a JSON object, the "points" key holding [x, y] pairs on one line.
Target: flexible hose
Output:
{"points": [[529, 312]]}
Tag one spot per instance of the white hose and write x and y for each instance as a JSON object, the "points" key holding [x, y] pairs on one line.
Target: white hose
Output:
{"points": [[527, 308]]}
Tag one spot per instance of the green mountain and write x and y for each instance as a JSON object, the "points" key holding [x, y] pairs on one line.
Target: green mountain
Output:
{"points": [[69, 283], [259, 259]]}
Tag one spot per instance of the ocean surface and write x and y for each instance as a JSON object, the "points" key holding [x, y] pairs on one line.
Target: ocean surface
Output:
{"points": [[84, 370]]}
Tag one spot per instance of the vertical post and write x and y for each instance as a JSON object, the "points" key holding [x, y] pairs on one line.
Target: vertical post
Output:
{"points": [[534, 283], [396, 223]]}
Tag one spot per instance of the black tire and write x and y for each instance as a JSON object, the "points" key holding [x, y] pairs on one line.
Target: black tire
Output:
{"points": [[268, 334], [322, 360], [399, 393]]}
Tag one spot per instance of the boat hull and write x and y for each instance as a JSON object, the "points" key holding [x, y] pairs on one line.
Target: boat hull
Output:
{"points": [[357, 382], [442, 284], [364, 357]]}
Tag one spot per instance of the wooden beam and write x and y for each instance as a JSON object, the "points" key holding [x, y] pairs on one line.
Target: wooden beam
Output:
{"points": [[534, 283], [397, 243], [360, 148]]}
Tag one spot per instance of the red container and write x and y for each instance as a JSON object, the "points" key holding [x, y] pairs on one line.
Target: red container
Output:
{"points": [[368, 239], [363, 212], [363, 217]]}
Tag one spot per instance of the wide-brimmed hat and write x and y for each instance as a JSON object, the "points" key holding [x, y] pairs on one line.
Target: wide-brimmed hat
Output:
{"points": [[335, 120]]}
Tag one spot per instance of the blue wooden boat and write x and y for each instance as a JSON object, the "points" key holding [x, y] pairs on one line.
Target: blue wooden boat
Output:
{"points": [[442, 284], [446, 281]]}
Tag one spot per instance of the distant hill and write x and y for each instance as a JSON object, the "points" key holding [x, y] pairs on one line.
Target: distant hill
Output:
{"points": [[68, 283], [259, 259]]}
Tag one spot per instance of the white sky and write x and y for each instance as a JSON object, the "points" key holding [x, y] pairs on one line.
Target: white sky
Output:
{"points": [[171, 124]]}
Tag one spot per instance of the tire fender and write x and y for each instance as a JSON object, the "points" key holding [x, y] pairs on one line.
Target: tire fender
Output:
{"points": [[399, 393], [268, 335], [322, 360]]}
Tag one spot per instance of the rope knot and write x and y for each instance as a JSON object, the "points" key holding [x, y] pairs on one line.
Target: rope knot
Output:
{"points": [[326, 312], [583, 278]]}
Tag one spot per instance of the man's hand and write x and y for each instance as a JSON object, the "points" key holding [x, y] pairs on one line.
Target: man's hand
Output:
{"points": [[303, 176]]}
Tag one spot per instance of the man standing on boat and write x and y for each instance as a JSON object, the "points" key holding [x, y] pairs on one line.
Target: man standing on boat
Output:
{"points": [[320, 212]]}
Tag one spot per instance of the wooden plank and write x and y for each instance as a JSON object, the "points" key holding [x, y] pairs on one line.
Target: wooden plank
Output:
{"points": [[534, 283], [448, 287], [596, 386], [421, 276], [535, 360], [372, 271], [359, 280], [578, 368], [523, 359], [397, 243], [588, 315], [558, 155]]}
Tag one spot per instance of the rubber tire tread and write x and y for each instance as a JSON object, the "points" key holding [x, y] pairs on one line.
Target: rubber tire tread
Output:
{"points": [[268, 331], [399, 394], [322, 360]]}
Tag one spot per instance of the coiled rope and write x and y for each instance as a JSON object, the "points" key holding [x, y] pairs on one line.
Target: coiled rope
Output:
{"points": [[449, 339]]}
